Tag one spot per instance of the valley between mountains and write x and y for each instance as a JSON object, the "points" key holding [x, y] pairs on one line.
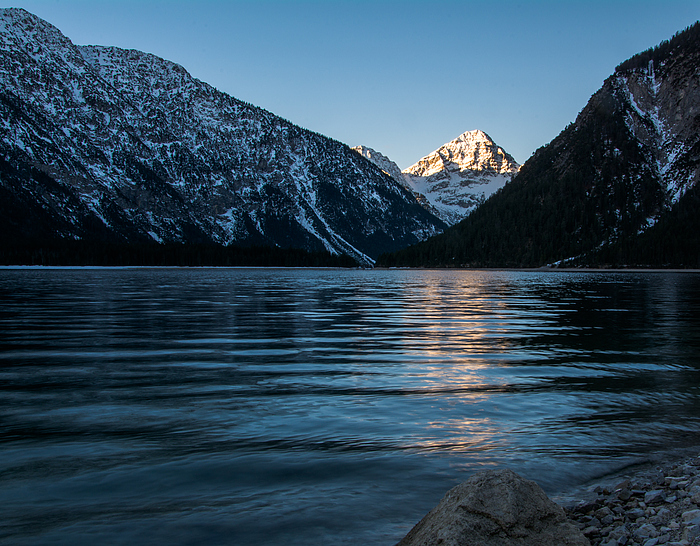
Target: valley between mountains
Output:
{"points": [[109, 156]]}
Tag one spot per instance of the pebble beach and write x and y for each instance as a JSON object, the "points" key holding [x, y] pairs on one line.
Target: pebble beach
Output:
{"points": [[658, 504]]}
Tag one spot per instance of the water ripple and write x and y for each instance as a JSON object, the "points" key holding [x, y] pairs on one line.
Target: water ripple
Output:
{"points": [[188, 405]]}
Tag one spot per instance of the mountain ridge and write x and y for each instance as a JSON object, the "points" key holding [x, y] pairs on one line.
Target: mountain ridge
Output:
{"points": [[602, 190], [119, 145], [461, 174], [457, 177]]}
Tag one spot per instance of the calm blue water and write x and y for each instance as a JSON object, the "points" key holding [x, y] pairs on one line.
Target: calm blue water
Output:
{"points": [[251, 406]]}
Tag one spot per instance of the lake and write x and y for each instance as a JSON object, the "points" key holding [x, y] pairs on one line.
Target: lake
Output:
{"points": [[291, 406]]}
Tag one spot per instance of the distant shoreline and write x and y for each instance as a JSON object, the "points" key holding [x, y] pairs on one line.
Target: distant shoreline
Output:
{"points": [[545, 269], [340, 268]]}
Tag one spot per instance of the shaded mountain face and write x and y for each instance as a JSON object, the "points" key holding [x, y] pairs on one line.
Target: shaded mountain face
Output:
{"points": [[457, 177], [615, 177], [101, 143]]}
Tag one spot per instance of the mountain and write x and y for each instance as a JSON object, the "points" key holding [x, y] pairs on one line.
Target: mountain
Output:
{"points": [[462, 174], [110, 145], [393, 170], [457, 177], [381, 161], [618, 186]]}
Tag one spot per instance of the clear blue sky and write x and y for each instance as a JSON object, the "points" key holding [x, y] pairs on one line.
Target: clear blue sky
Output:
{"points": [[402, 77]]}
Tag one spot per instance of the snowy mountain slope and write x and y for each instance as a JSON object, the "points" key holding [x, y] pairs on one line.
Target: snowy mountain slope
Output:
{"points": [[104, 143], [454, 179], [462, 174], [617, 186], [662, 111], [393, 170], [381, 161]]}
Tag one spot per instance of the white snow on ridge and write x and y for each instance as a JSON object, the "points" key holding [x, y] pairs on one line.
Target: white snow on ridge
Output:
{"points": [[381, 161], [660, 141], [457, 177], [172, 154]]}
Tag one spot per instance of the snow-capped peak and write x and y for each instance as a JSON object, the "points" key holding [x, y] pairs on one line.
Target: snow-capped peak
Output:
{"points": [[471, 151], [462, 174], [453, 180]]}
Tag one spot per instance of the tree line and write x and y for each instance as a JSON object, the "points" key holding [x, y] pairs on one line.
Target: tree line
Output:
{"points": [[98, 253]]}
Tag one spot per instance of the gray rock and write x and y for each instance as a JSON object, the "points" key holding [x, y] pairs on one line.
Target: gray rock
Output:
{"points": [[690, 515], [619, 532], [587, 506], [678, 484], [591, 532], [607, 520], [495, 508], [635, 513], [654, 497], [646, 531], [662, 516], [626, 484], [624, 495], [602, 512], [691, 532]]}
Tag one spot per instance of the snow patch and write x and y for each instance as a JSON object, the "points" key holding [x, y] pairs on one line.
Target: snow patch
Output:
{"points": [[157, 238]]}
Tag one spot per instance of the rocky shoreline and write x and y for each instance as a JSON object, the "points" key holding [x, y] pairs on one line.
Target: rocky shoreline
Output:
{"points": [[655, 506]]}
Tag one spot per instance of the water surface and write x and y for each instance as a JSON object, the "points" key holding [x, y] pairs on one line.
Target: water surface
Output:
{"points": [[281, 406]]}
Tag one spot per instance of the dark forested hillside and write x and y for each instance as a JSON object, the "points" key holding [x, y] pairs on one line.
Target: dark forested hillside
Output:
{"points": [[616, 187], [151, 254]]}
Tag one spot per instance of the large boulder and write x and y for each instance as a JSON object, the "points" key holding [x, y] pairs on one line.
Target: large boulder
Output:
{"points": [[495, 508]]}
